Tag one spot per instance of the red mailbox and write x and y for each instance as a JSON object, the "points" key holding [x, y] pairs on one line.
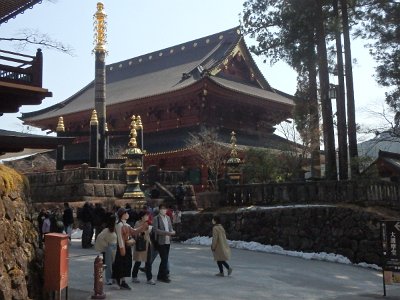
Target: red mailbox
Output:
{"points": [[56, 263]]}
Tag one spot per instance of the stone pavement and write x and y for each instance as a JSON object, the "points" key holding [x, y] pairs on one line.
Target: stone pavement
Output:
{"points": [[255, 276]]}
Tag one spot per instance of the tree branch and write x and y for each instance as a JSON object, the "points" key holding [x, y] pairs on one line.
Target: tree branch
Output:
{"points": [[34, 37]]}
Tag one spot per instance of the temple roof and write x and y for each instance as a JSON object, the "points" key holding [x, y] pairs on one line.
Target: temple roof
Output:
{"points": [[11, 8], [168, 70]]}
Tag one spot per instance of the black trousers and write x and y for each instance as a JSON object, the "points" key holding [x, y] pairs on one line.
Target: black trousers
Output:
{"points": [[221, 263], [163, 251], [147, 266]]}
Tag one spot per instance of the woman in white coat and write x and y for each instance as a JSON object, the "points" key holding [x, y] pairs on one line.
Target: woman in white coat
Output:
{"points": [[220, 247], [106, 243]]}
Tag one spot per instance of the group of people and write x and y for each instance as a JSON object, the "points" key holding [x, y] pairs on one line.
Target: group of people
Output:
{"points": [[55, 221], [125, 247], [129, 237], [123, 244]]}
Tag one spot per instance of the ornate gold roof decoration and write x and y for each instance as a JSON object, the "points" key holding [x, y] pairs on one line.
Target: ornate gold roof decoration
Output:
{"points": [[94, 120], [60, 125], [100, 29]]}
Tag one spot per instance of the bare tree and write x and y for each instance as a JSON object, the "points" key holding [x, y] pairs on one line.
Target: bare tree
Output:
{"points": [[33, 37], [210, 151], [295, 152], [386, 120]]}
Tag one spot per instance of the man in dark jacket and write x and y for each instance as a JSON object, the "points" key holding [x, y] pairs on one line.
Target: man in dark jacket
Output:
{"points": [[99, 219], [68, 219], [86, 217]]}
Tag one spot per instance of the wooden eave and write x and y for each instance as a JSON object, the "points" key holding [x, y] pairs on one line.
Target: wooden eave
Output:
{"points": [[14, 95], [11, 8], [10, 143]]}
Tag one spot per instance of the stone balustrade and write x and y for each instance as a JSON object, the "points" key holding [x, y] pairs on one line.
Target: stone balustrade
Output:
{"points": [[362, 192]]}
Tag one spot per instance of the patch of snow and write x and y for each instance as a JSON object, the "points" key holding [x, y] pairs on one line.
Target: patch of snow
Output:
{"points": [[254, 246]]}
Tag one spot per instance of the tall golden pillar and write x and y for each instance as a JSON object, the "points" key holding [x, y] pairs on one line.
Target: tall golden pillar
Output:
{"points": [[100, 28]]}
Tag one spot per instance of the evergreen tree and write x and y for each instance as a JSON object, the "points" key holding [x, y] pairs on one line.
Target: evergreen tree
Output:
{"points": [[380, 22], [292, 31]]}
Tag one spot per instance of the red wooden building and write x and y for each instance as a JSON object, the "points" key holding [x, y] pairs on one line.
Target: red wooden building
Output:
{"points": [[211, 81]]}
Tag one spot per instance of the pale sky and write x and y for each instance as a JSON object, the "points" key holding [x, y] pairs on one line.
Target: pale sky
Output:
{"points": [[139, 27]]}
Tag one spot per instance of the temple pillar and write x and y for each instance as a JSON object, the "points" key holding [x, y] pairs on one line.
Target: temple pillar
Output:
{"points": [[100, 80]]}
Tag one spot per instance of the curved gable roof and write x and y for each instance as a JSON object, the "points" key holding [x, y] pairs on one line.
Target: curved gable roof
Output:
{"points": [[155, 73]]}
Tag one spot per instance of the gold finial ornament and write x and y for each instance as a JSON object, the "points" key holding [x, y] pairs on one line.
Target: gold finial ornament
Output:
{"points": [[93, 119], [133, 148], [100, 28], [60, 125], [139, 124]]}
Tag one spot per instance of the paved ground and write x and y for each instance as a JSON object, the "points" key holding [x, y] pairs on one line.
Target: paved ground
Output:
{"points": [[255, 276]]}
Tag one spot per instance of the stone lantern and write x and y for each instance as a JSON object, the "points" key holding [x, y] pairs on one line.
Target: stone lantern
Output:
{"points": [[133, 167], [234, 162]]}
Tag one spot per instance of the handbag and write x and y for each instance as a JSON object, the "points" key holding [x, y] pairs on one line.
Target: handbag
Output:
{"points": [[140, 243]]}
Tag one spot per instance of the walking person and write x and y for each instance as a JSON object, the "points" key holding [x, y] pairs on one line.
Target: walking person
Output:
{"points": [[68, 220], [220, 247], [123, 258], [163, 231], [106, 243], [145, 254]]}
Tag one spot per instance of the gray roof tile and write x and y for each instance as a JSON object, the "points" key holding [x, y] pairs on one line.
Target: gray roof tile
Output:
{"points": [[159, 72]]}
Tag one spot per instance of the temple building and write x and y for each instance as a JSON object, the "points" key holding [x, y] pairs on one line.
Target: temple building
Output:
{"points": [[210, 82]]}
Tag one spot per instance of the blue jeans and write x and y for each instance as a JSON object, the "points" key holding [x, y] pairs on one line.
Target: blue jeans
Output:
{"points": [[109, 256]]}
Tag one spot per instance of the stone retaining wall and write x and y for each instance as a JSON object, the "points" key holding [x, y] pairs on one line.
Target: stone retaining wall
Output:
{"points": [[77, 192], [353, 233], [20, 257]]}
